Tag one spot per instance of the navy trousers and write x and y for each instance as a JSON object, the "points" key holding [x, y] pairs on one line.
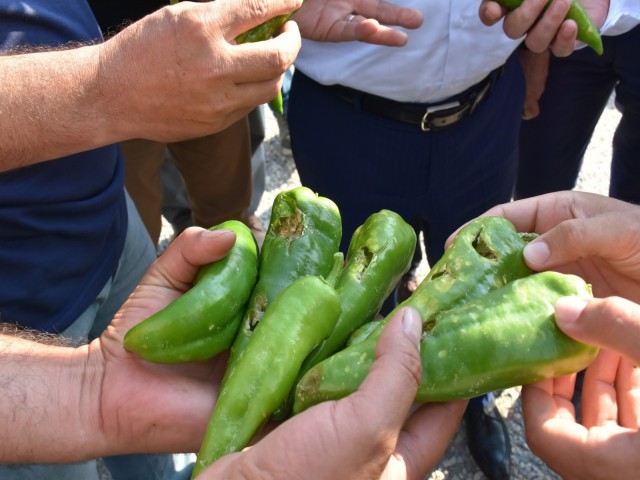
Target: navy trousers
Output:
{"points": [[578, 88], [441, 178]]}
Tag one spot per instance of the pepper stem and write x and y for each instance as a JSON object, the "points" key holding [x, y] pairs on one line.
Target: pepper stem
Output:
{"points": [[336, 269]]}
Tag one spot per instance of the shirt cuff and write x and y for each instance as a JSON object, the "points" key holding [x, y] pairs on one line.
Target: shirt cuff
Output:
{"points": [[623, 16]]}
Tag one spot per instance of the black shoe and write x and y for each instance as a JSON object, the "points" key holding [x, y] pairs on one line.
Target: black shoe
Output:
{"points": [[488, 440]]}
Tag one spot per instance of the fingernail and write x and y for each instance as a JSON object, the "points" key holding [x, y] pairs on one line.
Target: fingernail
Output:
{"points": [[568, 309], [210, 234], [412, 325], [536, 253]]}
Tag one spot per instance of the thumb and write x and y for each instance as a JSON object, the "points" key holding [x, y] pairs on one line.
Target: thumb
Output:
{"points": [[393, 380], [612, 323]]}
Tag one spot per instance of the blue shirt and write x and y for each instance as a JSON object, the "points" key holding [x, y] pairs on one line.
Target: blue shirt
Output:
{"points": [[62, 222]]}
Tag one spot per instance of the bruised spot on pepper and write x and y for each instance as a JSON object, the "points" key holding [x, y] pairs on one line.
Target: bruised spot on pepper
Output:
{"points": [[428, 326], [290, 227], [442, 272], [261, 304], [363, 258], [484, 250]]}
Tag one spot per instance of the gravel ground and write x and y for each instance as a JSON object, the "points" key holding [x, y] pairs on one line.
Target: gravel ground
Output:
{"points": [[457, 463]]}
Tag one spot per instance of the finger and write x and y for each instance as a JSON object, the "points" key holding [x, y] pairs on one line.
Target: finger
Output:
{"points": [[564, 43], [628, 390], [546, 27], [398, 368], [424, 439], [520, 20], [243, 15], [599, 399], [389, 14], [611, 236], [612, 323], [370, 31], [267, 60], [491, 12], [176, 268], [547, 425]]}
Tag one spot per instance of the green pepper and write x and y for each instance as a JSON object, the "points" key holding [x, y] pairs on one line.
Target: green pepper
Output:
{"points": [[379, 253], [363, 332], [500, 340], [587, 31], [485, 255], [295, 322], [302, 238], [204, 321]]}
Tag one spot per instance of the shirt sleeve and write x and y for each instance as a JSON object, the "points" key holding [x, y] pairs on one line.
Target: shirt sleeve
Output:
{"points": [[623, 16]]}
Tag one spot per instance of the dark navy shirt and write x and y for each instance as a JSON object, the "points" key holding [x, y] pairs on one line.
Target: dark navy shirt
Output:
{"points": [[62, 222]]}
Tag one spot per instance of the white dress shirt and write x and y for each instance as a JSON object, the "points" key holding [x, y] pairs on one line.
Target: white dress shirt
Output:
{"points": [[450, 52]]}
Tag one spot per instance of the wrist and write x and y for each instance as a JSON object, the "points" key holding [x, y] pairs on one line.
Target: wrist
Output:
{"points": [[47, 405]]}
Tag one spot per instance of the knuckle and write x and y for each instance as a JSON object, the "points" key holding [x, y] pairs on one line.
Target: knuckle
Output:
{"points": [[258, 8]]}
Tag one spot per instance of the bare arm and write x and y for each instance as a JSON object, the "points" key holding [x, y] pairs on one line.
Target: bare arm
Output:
{"points": [[175, 74], [51, 106], [40, 396]]}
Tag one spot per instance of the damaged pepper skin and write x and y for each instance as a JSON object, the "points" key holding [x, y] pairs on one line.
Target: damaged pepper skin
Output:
{"points": [[507, 338], [500, 340], [303, 236], [297, 320], [204, 321], [379, 253], [486, 254]]}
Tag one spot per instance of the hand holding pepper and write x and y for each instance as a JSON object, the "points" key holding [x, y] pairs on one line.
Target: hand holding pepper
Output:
{"points": [[596, 237], [589, 235], [381, 441], [544, 27], [99, 399]]}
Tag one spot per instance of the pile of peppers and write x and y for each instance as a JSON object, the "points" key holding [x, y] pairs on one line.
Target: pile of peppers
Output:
{"points": [[300, 316]]}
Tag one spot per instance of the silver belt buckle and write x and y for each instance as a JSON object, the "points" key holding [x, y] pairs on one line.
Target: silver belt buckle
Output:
{"points": [[433, 109]]}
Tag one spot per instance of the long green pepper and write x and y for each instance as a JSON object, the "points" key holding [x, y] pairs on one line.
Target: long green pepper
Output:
{"points": [[302, 238], [485, 255], [297, 320], [204, 321], [379, 253]]}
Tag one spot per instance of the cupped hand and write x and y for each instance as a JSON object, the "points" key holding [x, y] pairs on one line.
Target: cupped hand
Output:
{"points": [[544, 29], [147, 407], [373, 433], [370, 21], [178, 72], [607, 442]]}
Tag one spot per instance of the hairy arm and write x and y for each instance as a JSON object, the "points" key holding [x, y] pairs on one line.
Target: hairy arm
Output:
{"points": [[44, 391], [50, 106]]}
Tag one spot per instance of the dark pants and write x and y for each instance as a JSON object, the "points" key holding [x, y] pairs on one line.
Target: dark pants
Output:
{"points": [[366, 163], [578, 88]]}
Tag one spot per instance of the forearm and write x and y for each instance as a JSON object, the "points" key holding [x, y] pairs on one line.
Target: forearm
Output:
{"points": [[52, 104], [45, 397]]}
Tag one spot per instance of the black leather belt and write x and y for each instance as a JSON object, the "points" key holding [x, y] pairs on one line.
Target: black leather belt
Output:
{"points": [[427, 116]]}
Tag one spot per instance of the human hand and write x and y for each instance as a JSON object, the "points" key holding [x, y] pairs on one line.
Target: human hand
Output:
{"points": [[361, 20], [178, 73], [605, 445], [369, 434], [551, 30], [593, 236], [145, 407], [535, 67]]}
